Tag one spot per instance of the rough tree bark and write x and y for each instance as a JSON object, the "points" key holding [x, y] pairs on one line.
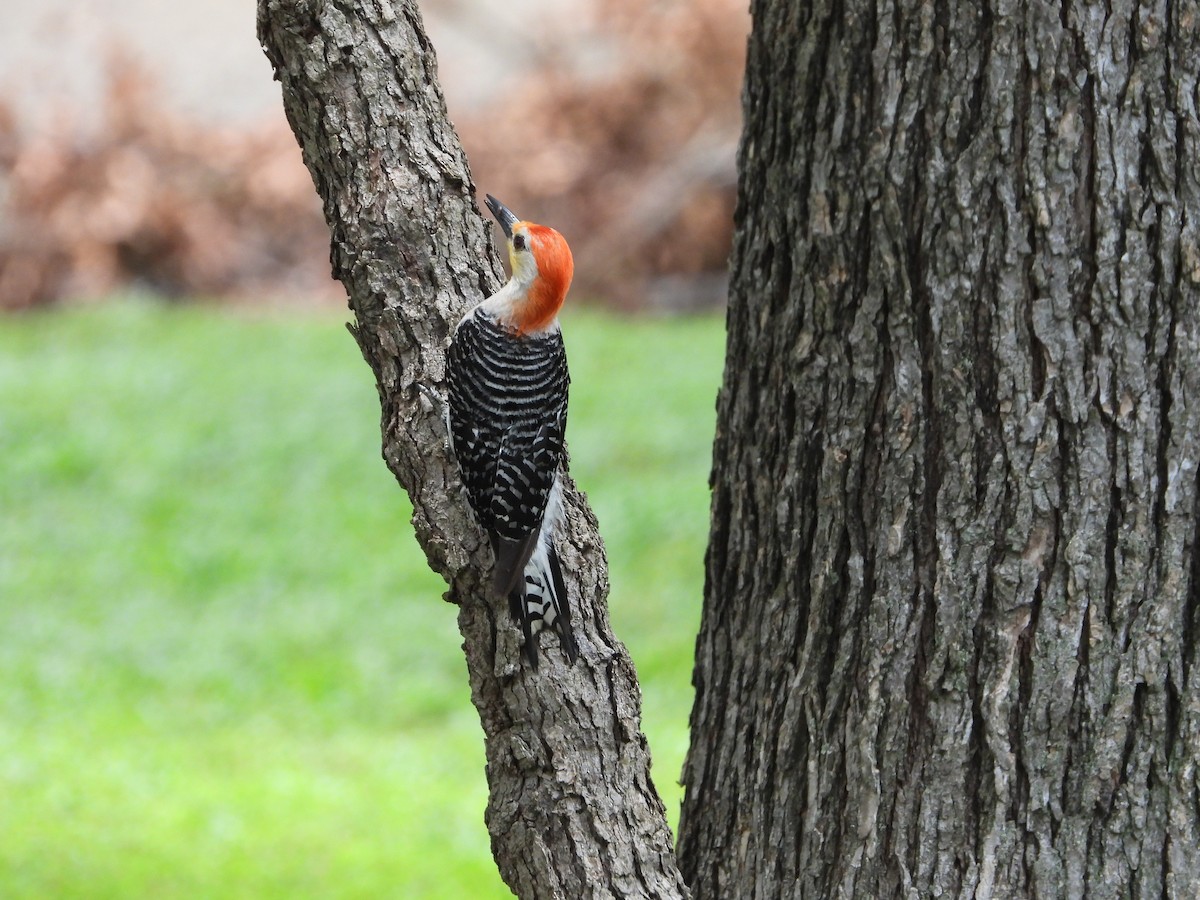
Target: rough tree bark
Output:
{"points": [[572, 811], [949, 642]]}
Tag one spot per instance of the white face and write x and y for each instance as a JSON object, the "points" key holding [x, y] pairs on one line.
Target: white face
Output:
{"points": [[520, 255]]}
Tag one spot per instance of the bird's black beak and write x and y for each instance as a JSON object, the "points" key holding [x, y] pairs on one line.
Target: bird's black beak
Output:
{"points": [[503, 214]]}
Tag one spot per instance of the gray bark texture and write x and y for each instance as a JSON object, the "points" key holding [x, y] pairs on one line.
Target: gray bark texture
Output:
{"points": [[949, 641], [572, 811]]}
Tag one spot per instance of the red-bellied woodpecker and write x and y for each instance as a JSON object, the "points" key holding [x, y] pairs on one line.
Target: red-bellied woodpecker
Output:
{"points": [[507, 372]]}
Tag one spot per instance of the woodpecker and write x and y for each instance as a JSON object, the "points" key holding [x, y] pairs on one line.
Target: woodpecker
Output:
{"points": [[507, 411]]}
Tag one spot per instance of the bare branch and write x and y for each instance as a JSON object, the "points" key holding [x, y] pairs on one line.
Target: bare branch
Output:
{"points": [[572, 810]]}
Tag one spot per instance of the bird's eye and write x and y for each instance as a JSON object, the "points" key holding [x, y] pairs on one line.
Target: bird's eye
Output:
{"points": [[519, 241]]}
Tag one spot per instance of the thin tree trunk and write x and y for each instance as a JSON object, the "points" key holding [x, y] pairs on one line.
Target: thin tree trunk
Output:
{"points": [[949, 642], [572, 811]]}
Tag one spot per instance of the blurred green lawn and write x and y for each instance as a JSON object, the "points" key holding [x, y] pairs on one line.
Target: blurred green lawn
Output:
{"points": [[225, 670]]}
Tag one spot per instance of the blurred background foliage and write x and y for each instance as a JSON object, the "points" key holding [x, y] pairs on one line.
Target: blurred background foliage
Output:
{"points": [[615, 120], [225, 670]]}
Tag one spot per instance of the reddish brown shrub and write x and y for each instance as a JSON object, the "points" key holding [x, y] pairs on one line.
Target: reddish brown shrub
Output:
{"points": [[153, 202], [634, 164]]}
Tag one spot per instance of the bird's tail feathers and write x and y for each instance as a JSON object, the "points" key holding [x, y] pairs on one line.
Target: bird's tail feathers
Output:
{"points": [[540, 601]]}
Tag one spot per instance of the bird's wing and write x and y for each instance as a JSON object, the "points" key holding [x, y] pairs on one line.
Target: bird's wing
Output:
{"points": [[526, 466]]}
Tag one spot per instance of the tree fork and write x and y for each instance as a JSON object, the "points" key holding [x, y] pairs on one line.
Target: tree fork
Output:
{"points": [[572, 810]]}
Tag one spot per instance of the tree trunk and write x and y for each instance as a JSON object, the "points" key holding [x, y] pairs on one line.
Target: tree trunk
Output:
{"points": [[949, 641], [572, 811]]}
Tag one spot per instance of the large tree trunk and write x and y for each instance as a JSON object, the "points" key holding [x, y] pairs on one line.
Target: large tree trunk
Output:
{"points": [[572, 811], [949, 642]]}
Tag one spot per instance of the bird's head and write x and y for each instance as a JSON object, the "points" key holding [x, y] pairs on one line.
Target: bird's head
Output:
{"points": [[542, 267]]}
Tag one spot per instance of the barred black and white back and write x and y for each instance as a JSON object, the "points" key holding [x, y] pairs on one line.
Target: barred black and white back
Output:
{"points": [[507, 419]]}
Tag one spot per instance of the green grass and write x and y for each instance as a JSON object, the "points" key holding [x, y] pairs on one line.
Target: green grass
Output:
{"points": [[225, 670]]}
